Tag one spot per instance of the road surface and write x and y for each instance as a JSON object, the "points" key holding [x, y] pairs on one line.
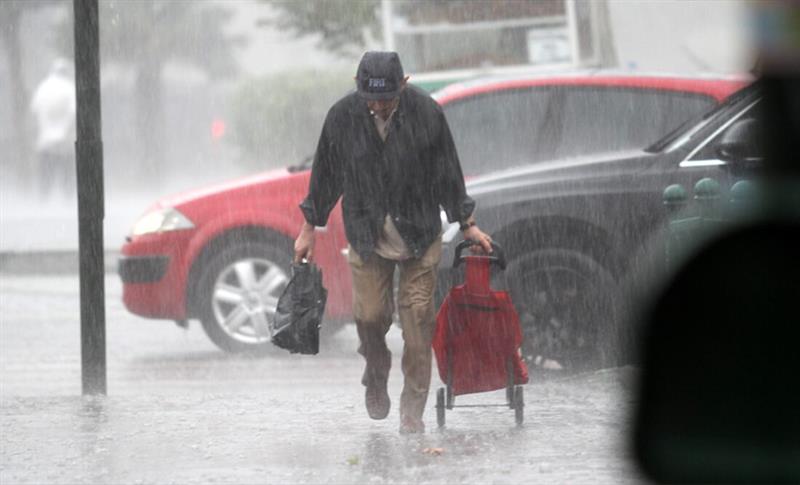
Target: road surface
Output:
{"points": [[180, 411]]}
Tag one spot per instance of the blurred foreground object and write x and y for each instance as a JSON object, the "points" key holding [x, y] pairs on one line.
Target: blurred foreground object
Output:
{"points": [[724, 405]]}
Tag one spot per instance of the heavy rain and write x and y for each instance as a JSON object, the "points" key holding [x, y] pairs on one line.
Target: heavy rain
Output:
{"points": [[590, 136]]}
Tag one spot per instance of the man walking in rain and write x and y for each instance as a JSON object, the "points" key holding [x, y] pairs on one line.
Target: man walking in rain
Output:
{"points": [[386, 149]]}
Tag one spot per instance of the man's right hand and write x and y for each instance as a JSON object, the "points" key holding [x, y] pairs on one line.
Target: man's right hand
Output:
{"points": [[304, 244]]}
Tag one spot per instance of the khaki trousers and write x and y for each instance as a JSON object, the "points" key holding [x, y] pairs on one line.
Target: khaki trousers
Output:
{"points": [[373, 307]]}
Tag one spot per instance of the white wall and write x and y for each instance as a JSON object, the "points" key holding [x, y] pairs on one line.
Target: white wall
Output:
{"points": [[681, 35]]}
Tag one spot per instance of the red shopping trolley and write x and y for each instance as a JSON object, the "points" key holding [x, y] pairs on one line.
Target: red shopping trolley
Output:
{"points": [[478, 337]]}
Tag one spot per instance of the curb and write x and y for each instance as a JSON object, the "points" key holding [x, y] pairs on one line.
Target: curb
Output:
{"points": [[49, 262]]}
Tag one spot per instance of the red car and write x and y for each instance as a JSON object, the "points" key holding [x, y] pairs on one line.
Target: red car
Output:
{"points": [[222, 254]]}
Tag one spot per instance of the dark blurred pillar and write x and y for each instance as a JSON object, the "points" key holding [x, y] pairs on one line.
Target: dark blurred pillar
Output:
{"points": [[89, 165]]}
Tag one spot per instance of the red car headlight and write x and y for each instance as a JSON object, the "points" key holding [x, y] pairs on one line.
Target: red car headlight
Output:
{"points": [[161, 220]]}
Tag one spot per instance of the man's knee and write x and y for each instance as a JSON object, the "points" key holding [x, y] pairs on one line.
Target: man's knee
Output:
{"points": [[373, 314], [418, 312], [419, 350], [418, 291]]}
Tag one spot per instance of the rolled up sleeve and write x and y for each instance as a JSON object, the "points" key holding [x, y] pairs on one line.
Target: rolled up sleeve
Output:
{"points": [[325, 186]]}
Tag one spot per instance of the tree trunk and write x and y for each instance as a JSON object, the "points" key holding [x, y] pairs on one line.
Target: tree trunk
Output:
{"points": [[606, 50], [19, 163], [150, 120]]}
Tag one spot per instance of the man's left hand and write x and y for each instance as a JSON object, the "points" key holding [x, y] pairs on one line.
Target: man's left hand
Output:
{"points": [[474, 233]]}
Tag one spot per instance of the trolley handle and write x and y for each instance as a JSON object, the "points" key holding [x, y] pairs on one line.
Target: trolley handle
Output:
{"points": [[497, 257]]}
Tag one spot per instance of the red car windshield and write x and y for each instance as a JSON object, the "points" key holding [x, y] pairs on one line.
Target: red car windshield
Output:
{"points": [[509, 128]]}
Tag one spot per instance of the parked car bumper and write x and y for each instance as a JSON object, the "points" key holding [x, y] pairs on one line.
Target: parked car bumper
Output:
{"points": [[154, 271], [142, 269]]}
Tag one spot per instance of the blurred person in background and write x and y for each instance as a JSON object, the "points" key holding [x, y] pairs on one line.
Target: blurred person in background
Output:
{"points": [[387, 150], [54, 108]]}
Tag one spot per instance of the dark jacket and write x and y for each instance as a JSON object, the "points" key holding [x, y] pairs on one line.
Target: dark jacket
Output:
{"points": [[409, 176]]}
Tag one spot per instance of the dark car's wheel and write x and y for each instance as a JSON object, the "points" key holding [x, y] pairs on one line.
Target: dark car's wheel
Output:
{"points": [[566, 304], [238, 293]]}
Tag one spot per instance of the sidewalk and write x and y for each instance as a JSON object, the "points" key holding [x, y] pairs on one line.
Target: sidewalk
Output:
{"points": [[48, 261], [41, 237]]}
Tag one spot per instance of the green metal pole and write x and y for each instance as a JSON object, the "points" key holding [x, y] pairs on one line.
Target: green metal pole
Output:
{"points": [[89, 166]]}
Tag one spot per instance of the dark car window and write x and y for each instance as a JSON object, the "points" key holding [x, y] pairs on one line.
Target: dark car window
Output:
{"points": [[709, 150], [601, 120], [499, 130], [686, 130], [509, 128]]}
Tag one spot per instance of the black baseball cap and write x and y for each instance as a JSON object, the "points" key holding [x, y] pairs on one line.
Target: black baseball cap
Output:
{"points": [[379, 76]]}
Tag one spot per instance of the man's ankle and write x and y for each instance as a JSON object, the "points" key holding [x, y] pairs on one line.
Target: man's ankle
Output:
{"points": [[411, 425], [376, 400]]}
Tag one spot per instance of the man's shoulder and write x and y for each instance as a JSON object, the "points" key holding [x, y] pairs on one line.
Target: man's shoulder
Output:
{"points": [[345, 104], [421, 99]]}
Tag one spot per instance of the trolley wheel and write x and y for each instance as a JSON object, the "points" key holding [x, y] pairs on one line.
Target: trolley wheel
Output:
{"points": [[450, 399], [519, 405], [510, 383], [440, 407]]}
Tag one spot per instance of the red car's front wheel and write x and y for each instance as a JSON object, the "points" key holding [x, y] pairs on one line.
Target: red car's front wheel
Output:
{"points": [[239, 290]]}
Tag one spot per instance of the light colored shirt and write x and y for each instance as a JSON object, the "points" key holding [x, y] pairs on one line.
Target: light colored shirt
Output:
{"points": [[54, 108], [390, 244]]}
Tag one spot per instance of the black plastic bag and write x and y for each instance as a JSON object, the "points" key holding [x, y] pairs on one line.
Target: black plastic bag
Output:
{"points": [[300, 309]]}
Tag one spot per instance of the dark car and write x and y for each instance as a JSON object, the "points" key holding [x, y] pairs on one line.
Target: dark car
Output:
{"points": [[576, 229]]}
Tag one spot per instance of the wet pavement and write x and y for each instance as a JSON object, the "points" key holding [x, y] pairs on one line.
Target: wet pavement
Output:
{"points": [[180, 411]]}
